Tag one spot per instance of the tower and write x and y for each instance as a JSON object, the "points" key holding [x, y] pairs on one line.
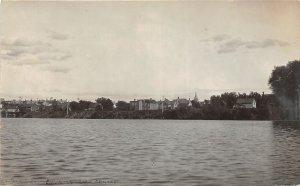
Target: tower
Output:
{"points": [[196, 97]]}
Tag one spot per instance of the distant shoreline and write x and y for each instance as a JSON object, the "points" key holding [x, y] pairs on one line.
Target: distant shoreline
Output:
{"points": [[156, 119], [177, 114], [227, 106]]}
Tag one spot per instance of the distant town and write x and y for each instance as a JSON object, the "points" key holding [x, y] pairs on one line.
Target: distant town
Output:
{"points": [[225, 106], [283, 104]]}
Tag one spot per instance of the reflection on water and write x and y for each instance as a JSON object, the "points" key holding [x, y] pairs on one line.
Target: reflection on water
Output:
{"points": [[286, 156], [149, 152]]}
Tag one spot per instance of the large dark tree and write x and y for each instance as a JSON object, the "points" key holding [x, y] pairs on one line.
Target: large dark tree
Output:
{"points": [[285, 82], [122, 105], [106, 103]]}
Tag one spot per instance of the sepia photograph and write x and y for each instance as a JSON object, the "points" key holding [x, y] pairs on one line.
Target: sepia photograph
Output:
{"points": [[158, 93]]}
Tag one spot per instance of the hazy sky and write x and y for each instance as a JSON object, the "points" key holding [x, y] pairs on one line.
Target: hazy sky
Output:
{"points": [[126, 50]]}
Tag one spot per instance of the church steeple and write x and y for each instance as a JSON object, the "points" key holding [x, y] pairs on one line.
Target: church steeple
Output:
{"points": [[196, 97]]}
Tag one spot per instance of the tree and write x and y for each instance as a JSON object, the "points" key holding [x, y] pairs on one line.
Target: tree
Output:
{"points": [[258, 98], [74, 106], [229, 99], [244, 95], [216, 100], [79, 106], [84, 104], [195, 104], [106, 103], [54, 105], [98, 107], [285, 82], [122, 105]]}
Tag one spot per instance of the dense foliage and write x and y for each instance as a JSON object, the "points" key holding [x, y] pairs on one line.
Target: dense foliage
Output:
{"points": [[285, 80], [106, 103], [122, 105], [285, 84]]}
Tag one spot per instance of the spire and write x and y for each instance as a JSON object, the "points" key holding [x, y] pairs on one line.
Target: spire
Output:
{"points": [[196, 97]]}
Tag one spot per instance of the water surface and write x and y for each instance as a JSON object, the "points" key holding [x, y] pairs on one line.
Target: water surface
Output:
{"points": [[149, 152]]}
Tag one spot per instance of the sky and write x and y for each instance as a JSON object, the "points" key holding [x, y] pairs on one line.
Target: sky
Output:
{"points": [[132, 50]]}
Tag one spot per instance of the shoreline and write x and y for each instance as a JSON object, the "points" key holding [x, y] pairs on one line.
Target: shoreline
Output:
{"points": [[176, 114]]}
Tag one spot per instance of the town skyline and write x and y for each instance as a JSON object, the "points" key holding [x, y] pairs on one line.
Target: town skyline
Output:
{"points": [[127, 50], [232, 103]]}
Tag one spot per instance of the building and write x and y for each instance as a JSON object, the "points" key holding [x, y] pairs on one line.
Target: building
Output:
{"points": [[134, 105], [245, 103], [34, 108], [93, 107], [144, 104], [165, 105], [24, 107], [148, 104], [153, 105], [47, 103], [182, 103], [10, 111]]}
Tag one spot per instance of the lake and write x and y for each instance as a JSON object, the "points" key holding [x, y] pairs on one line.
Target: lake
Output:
{"points": [[149, 152]]}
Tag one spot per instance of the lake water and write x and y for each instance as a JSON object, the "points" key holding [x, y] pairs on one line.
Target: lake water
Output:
{"points": [[149, 152]]}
